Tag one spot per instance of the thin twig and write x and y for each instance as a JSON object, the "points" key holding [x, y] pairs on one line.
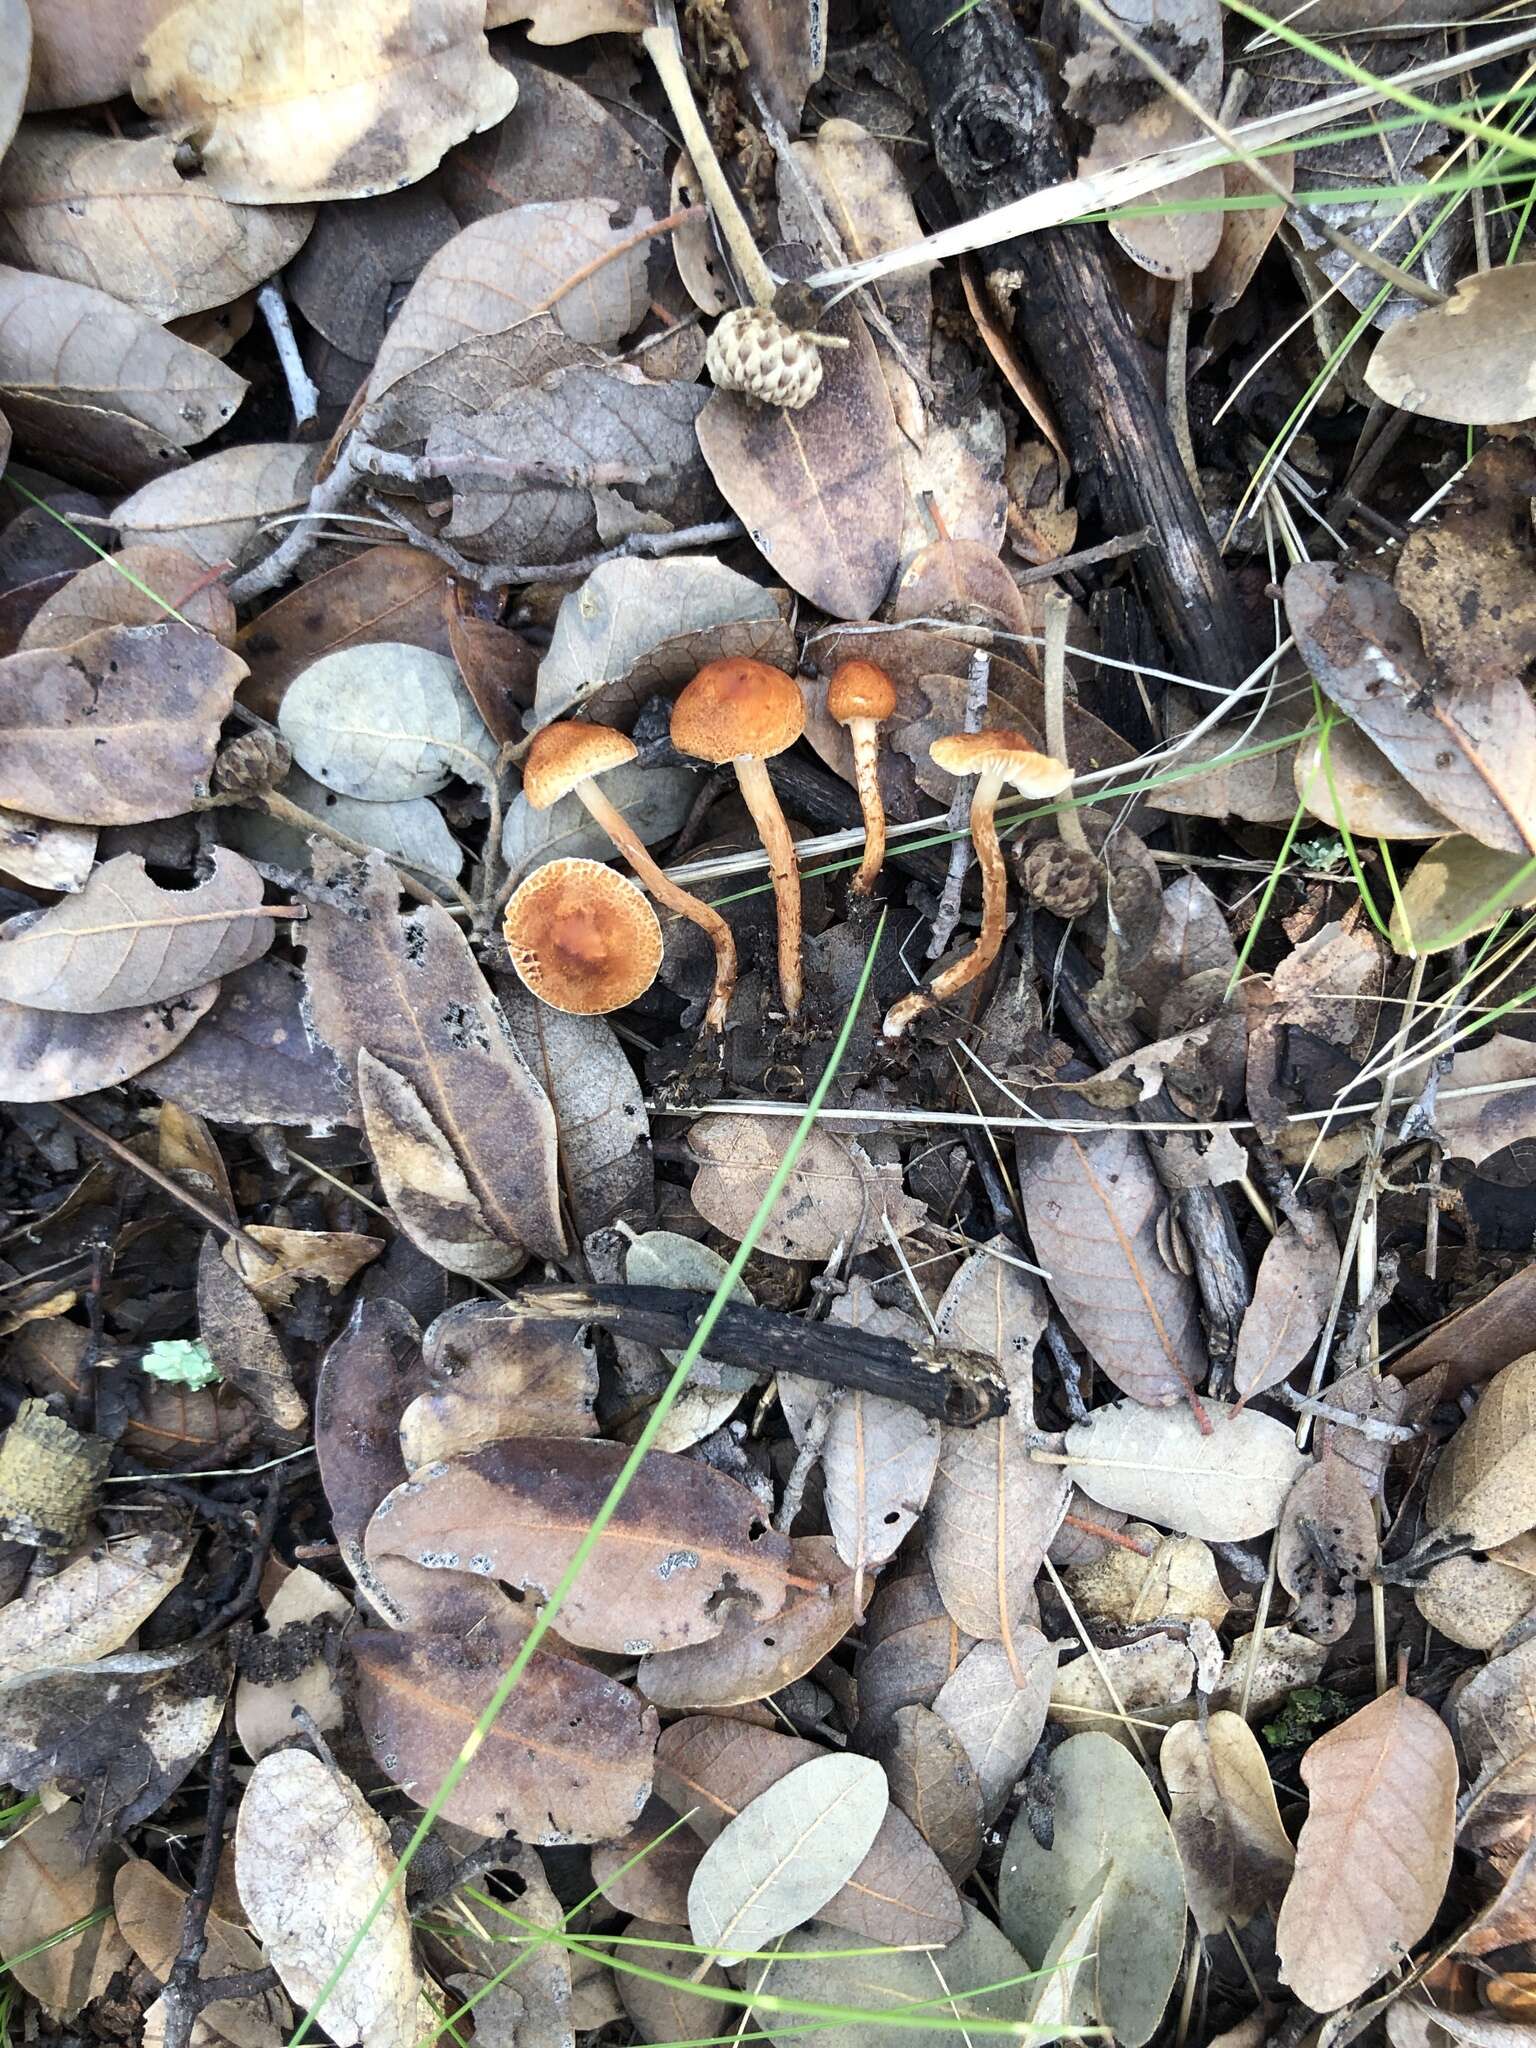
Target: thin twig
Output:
{"points": [[491, 575], [947, 916], [1083, 558], [301, 386], [181, 2005], [199, 1208], [1176, 379], [328, 496], [1058, 609]]}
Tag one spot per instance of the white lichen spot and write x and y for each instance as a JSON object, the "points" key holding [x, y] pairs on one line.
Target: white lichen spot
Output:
{"points": [[638, 1648], [677, 1561]]}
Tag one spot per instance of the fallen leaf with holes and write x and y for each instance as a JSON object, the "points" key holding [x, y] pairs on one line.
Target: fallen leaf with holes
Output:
{"points": [[288, 106], [119, 727], [935, 1784], [46, 856], [786, 1854], [1142, 1679], [1292, 1294], [992, 1516], [1466, 572], [1469, 360], [410, 992], [236, 1331], [568, 1759], [215, 509], [123, 942], [151, 1914], [1375, 1850], [300, 1649], [686, 1547], [835, 1192], [311, 1858], [1237, 1857], [1155, 1463], [1325, 1542], [1105, 1812], [1470, 750], [994, 1307], [997, 1718], [91, 1607], [47, 1887], [1484, 1487]]}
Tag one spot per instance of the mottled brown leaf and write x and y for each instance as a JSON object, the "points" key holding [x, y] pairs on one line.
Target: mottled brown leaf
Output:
{"points": [[934, 1783], [991, 1517], [1291, 1298], [492, 1376], [45, 1887], [49, 1056], [104, 594], [236, 1331], [1326, 1541], [151, 1913], [1237, 1857], [92, 1606]]}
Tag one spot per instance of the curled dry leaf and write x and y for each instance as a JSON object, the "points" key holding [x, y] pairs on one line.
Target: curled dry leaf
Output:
{"points": [[91, 1607], [305, 1617], [992, 1516], [786, 1854], [334, 1256], [1171, 1578], [997, 1719], [1291, 1298], [685, 1547], [1484, 1487], [235, 1329], [123, 942], [151, 1913], [751, 1657], [119, 727], [568, 1759], [410, 992], [215, 508], [1326, 1541], [1469, 360], [1237, 1857], [1155, 1464], [1374, 1853], [291, 106], [311, 1857], [834, 1194], [45, 1887], [385, 722], [105, 593], [1105, 1812], [1093, 1204]]}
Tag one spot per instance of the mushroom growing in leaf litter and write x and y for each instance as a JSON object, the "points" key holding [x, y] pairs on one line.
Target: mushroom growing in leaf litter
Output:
{"points": [[565, 759], [745, 712], [998, 758], [582, 938], [859, 697]]}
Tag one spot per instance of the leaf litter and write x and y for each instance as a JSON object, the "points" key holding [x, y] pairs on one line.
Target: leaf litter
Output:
{"points": [[1105, 1498]]}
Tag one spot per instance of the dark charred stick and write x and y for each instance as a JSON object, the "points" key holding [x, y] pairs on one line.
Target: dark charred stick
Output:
{"points": [[242, 1984], [248, 1593], [996, 139], [958, 1387], [820, 798], [181, 2002]]}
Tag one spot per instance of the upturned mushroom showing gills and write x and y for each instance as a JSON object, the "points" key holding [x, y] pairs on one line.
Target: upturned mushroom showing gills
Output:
{"points": [[859, 697], [998, 759], [745, 712], [565, 760], [582, 938]]}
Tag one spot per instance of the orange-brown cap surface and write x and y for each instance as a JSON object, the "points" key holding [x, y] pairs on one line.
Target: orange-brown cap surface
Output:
{"points": [[567, 753], [860, 689], [737, 707], [1001, 751], [582, 937]]}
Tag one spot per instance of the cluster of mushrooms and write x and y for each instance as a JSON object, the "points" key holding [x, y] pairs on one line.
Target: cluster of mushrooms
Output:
{"points": [[585, 940]]}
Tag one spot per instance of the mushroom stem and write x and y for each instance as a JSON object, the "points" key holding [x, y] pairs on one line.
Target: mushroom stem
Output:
{"points": [[1058, 609], [665, 890], [757, 790], [994, 907], [864, 732]]}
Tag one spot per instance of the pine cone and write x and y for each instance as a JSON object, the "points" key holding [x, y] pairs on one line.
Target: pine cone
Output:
{"points": [[1061, 878], [752, 350], [254, 762]]}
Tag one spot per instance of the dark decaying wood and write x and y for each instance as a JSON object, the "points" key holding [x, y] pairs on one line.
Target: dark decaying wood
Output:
{"points": [[954, 1386], [996, 139]]}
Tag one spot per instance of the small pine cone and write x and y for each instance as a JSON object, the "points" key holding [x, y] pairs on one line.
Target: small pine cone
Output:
{"points": [[255, 761], [1061, 878], [752, 350]]}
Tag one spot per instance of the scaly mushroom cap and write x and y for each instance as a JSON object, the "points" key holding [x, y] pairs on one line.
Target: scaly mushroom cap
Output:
{"points": [[735, 708], [567, 753], [860, 689], [582, 937], [1001, 751]]}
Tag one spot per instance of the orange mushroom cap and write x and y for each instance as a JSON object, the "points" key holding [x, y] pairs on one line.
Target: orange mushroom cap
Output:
{"points": [[1001, 751], [567, 753], [582, 937], [737, 708], [860, 689]]}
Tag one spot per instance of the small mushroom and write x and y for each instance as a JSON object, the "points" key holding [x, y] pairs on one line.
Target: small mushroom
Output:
{"points": [[997, 758], [745, 712], [582, 937], [859, 696], [565, 760]]}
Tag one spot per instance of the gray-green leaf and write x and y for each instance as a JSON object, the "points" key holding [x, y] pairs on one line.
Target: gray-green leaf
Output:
{"points": [[1154, 1463], [385, 722], [655, 799]]}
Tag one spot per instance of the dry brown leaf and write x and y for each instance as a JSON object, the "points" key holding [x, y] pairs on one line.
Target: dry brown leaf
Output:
{"points": [[564, 139], [90, 1608], [1474, 1126], [124, 942], [751, 1658], [255, 1062], [361, 258], [1484, 1487], [658, 1577], [409, 991], [1466, 573], [997, 1719], [1093, 1205], [311, 1858], [151, 1913], [1208, 782], [1237, 1857], [568, 1759], [658, 2012], [1145, 1678], [1223, 1486], [1374, 1853], [44, 855], [835, 1192], [934, 1783], [1354, 785], [104, 594], [991, 1517], [1495, 1712], [1174, 1578], [493, 1377], [238, 1336], [1291, 1299], [865, 197], [1469, 360], [118, 216], [49, 1056], [215, 508], [1458, 887], [81, 55], [1475, 1601], [291, 102], [1327, 987], [606, 1169], [334, 1256], [1326, 1541], [305, 1617], [911, 1645], [1246, 232], [366, 1378], [45, 1886], [994, 1307], [119, 728], [650, 1865]]}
